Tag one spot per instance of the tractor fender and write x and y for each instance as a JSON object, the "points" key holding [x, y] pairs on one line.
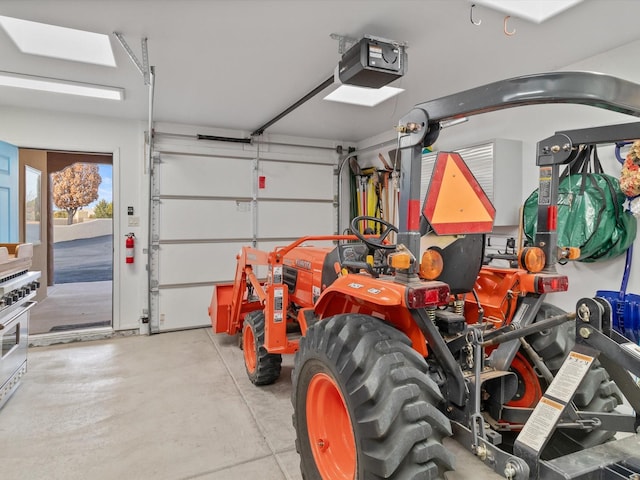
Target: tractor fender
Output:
{"points": [[362, 288], [379, 297]]}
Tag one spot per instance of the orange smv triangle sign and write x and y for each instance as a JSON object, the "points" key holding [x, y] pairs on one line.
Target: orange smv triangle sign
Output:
{"points": [[456, 203]]}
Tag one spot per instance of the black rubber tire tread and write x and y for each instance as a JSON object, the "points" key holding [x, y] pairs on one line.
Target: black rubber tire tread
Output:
{"points": [[391, 400], [268, 365], [596, 393]]}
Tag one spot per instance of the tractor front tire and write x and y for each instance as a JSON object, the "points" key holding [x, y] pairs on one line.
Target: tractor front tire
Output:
{"points": [[364, 407], [263, 368]]}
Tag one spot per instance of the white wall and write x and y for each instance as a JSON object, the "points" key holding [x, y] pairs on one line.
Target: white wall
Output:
{"points": [[125, 139], [534, 123], [94, 227]]}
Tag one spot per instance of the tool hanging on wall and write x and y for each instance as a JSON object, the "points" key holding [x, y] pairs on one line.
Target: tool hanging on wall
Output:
{"points": [[354, 184], [383, 184], [377, 193]]}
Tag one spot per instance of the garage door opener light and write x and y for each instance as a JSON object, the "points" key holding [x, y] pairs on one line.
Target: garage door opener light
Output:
{"points": [[368, 97]]}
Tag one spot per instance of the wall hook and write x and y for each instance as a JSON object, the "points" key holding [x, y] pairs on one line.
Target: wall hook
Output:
{"points": [[506, 32], [471, 16]]}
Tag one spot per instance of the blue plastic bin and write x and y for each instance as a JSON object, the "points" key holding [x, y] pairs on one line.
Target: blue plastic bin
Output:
{"points": [[625, 313]]}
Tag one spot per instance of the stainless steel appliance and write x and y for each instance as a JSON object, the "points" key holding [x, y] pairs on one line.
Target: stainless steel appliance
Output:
{"points": [[17, 291]]}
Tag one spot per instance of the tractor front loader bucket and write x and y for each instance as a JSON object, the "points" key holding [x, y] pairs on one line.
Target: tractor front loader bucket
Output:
{"points": [[220, 308]]}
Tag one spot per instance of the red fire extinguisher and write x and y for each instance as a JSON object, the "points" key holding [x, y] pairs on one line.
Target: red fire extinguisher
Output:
{"points": [[129, 243]]}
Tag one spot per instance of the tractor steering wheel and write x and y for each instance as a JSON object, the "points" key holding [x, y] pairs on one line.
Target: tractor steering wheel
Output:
{"points": [[375, 242]]}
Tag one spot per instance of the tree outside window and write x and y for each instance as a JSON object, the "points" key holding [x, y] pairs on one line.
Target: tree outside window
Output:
{"points": [[75, 187]]}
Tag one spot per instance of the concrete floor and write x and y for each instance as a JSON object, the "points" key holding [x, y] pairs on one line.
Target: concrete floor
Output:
{"points": [[71, 306], [169, 406]]}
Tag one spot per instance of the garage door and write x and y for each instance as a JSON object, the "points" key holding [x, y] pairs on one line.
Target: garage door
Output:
{"points": [[211, 198]]}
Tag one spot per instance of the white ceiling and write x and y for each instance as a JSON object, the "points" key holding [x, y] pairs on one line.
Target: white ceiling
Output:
{"points": [[236, 64]]}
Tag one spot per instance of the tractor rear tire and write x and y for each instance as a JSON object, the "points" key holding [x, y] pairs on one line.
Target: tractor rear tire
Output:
{"points": [[364, 407], [263, 368], [596, 393]]}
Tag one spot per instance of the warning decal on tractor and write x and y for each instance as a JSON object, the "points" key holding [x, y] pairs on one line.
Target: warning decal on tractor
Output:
{"points": [[455, 202], [278, 305], [569, 376], [544, 195], [536, 431], [544, 418]]}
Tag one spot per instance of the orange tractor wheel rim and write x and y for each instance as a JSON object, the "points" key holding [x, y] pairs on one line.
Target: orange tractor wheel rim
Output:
{"points": [[533, 390], [330, 431], [249, 348]]}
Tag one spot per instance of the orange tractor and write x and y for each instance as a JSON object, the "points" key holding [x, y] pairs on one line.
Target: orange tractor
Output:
{"points": [[399, 345]]}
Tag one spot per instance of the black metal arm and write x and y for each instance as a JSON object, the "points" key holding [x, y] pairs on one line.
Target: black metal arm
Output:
{"points": [[585, 88], [422, 125]]}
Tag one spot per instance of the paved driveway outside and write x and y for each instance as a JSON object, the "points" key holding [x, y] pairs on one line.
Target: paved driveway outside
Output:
{"points": [[83, 260]]}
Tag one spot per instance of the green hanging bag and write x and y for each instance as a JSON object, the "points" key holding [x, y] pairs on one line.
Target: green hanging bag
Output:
{"points": [[590, 210]]}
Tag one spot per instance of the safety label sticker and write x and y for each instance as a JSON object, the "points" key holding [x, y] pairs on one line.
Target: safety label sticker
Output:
{"points": [[544, 192], [540, 423], [278, 303], [277, 274], [375, 51], [568, 378], [545, 416]]}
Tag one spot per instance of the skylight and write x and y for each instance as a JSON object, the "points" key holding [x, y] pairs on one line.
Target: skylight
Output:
{"points": [[533, 10], [367, 97], [59, 42]]}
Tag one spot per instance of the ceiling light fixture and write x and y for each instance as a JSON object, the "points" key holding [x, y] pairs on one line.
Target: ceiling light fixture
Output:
{"points": [[59, 42], [533, 10], [367, 97], [8, 79]]}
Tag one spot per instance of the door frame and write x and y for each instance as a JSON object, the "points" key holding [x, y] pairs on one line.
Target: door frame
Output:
{"points": [[106, 332]]}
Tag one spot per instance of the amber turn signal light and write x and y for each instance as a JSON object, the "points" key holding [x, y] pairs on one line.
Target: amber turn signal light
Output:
{"points": [[431, 264], [532, 259], [399, 260], [569, 253]]}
